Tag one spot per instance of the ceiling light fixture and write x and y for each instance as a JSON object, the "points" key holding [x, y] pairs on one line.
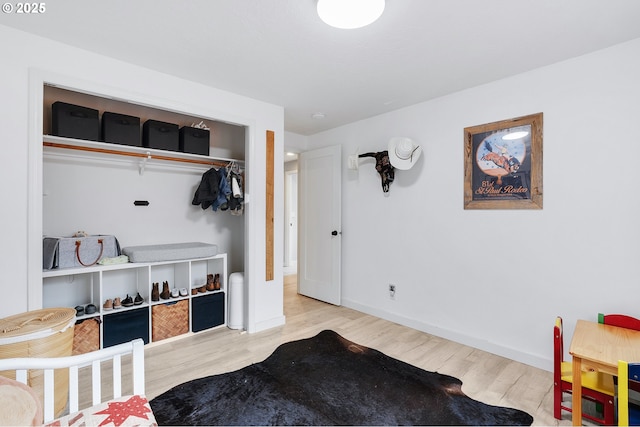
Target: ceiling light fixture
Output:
{"points": [[318, 116], [349, 14]]}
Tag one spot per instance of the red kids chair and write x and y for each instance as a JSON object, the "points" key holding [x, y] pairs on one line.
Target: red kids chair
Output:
{"points": [[621, 320], [596, 386]]}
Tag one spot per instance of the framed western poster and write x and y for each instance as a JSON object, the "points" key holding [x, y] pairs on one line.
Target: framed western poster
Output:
{"points": [[503, 164]]}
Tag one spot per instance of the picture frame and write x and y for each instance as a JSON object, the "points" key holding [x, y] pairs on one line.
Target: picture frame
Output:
{"points": [[503, 164]]}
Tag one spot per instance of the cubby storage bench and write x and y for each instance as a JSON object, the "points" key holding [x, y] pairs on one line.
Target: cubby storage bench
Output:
{"points": [[151, 320]]}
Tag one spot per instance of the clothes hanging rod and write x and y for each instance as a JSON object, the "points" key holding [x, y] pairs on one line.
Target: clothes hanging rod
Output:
{"points": [[147, 155]]}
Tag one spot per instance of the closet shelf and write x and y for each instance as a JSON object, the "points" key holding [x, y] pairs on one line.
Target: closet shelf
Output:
{"points": [[142, 153]]}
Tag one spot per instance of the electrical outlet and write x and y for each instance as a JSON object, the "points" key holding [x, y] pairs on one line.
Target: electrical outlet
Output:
{"points": [[392, 291]]}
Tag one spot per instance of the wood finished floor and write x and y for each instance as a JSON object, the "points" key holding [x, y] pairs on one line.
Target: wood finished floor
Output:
{"points": [[486, 377]]}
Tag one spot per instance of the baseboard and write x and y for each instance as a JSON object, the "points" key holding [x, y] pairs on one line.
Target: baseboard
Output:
{"points": [[268, 324], [510, 353]]}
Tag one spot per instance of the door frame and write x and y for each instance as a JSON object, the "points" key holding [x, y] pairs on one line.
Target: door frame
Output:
{"points": [[288, 259], [37, 79]]}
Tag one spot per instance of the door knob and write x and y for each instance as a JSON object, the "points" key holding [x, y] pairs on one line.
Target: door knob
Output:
{"points": [[334, 233]]}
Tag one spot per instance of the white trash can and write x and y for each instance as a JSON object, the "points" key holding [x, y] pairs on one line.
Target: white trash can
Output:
{"points": [[236, 301]]}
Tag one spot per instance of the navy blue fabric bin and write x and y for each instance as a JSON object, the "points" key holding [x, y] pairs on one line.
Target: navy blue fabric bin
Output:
{"points": [[118, 328], [207, 311]]}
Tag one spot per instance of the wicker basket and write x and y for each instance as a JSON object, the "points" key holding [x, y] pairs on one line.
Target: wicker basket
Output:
{"points": [[40, 333], [86, 336], [169, 320]]}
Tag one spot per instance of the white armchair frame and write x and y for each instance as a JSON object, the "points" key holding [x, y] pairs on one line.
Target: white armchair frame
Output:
{"points": [[22, 365]]}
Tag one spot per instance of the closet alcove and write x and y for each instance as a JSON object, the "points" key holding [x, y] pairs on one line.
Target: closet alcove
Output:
{"points": [[93, 186]]}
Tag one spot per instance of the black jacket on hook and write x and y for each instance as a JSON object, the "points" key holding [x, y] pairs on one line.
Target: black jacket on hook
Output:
{"points": [[207, 191]]}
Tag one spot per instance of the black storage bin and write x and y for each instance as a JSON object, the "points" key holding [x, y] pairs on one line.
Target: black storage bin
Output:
{"points": [[123, 327], [194, 140], [207, 311], [121, 129], [74, 121], [160, 135]]}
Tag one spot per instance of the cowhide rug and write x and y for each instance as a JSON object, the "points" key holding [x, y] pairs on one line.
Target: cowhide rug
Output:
{"points": [[328, 380]]}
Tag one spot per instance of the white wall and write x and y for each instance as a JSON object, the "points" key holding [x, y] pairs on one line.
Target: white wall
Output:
{"points": [[94, 195], [496, 279], [294, 142], [27, 62]]}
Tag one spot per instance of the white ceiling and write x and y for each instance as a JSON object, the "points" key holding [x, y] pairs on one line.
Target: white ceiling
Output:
{"points": [[280, 52]]}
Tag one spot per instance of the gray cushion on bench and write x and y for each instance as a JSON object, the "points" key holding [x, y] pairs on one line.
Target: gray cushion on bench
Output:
{"points": [[170, 252]]}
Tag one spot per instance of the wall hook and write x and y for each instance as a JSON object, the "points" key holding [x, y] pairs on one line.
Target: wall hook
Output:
{"points": [[352, 160]]}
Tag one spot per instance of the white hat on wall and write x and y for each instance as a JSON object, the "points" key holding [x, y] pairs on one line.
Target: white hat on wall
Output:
{"points": [[403, 152]]}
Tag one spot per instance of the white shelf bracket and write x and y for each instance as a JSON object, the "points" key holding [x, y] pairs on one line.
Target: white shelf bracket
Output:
{"points": [[143, 163]]}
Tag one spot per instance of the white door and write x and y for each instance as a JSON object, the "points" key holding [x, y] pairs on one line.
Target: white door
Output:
{"points": [[319, 224]]}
